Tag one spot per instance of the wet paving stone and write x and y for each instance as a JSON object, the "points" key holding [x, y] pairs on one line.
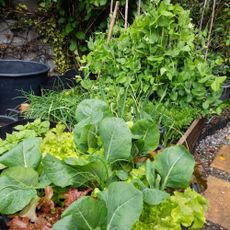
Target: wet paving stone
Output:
{"points": [[222, 159], [218, 195]]}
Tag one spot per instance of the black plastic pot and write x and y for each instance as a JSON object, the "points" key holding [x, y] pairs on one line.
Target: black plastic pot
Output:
{"points": [[226, 90], [17, 76], [5, 120]]}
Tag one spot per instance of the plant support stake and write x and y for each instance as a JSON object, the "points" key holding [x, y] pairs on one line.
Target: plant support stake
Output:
{"points": [[202, 17], [111, 7], [113, 21], [210, 29], [138, 7], [126, 13]]}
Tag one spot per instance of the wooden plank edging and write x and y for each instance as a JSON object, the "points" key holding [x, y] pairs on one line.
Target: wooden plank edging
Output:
{"points": [[191, 136]]}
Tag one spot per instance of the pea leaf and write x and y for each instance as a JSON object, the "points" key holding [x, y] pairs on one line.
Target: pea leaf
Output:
{"points": [[117, 139], [216, 85], [14, 195], [73, 46], [80, 35], [26, 154]]}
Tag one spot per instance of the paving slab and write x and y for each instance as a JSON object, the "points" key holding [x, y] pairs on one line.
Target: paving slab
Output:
{"points": [[222, 160], [218, 195]]}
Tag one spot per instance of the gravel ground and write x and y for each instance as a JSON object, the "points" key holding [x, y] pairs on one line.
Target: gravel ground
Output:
{"points": [[207, 149], [211, 226]]}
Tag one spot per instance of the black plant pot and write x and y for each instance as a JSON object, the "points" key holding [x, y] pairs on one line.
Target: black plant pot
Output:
{"points": [[17, 76], [226, 90]]}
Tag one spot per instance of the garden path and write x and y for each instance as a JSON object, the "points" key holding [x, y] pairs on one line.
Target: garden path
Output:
{"points": [[218, 192]]}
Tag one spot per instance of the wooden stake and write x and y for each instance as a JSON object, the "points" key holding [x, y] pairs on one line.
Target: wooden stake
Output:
{"points": [[139, 7], [202, 17], [210, 29], [126, 13], [113, 21], [111, 7]]}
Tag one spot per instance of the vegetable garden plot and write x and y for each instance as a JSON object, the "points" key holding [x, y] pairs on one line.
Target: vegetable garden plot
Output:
{"points": [[88, 179]]}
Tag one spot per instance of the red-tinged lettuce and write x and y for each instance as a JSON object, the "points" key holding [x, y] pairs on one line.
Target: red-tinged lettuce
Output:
{"points": [[74, 194]]}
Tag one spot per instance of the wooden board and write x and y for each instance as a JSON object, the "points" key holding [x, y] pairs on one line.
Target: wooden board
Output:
{"points": [[191, 136]]}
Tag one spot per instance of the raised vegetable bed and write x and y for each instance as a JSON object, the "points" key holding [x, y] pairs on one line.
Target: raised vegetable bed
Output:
{"points": [[59, 176]]}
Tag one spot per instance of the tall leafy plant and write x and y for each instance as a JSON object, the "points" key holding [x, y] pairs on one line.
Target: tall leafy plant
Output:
{"points": [[155, 56]]}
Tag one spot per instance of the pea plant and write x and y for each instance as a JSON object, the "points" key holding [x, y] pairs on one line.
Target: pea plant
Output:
{"points": [[154, 58]]}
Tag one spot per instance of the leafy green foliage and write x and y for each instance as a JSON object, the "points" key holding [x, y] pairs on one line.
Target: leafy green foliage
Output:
{"points": [[55, 106], [155, 56], [121, 208], [26, 154], [174, 119], [59, 143], [147, 134], [153, 196], [175, 166], [63, 175], [27, 176], [95, 125], [123, 199], [186, 209], [15, 195], [70, 24], [92, 111], [65, 223], [89, 114], [119, 204], [88, 213], [37, 128], [116, 138], [98, 132], [171, 168]]}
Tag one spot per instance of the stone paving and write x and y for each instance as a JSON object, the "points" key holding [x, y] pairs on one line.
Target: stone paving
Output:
{"points": [[222, 160], [218, 191]]}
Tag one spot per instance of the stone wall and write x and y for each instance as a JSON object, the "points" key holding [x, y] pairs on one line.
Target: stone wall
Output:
{"points": [[23, 43]]}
